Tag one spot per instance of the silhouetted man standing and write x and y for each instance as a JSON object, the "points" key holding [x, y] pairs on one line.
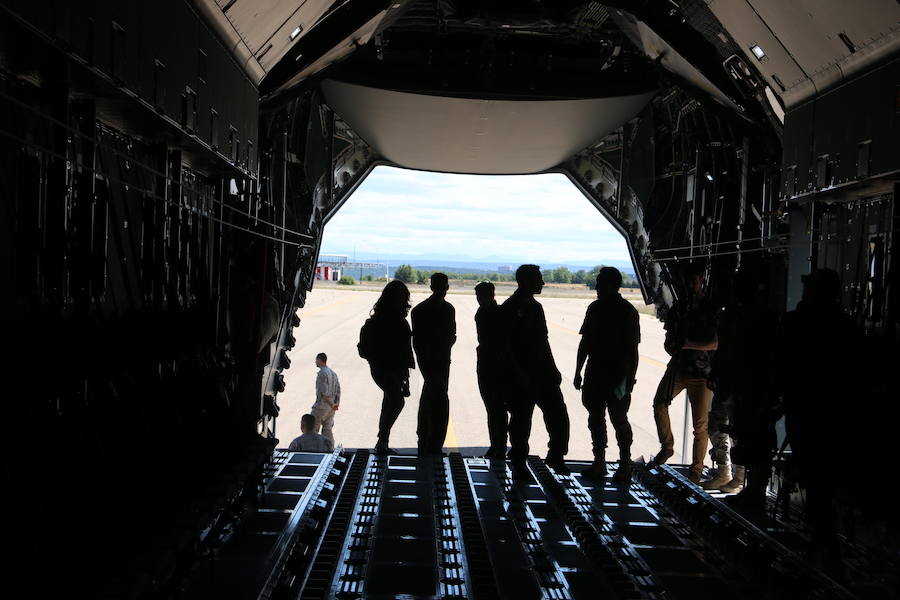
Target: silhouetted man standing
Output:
{"points": [[490, 373], [609, 341], [533, 377], [434, 333], [821, 357]]}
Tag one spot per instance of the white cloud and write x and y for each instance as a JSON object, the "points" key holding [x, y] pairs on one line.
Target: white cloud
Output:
{"points": [[473, 217]]}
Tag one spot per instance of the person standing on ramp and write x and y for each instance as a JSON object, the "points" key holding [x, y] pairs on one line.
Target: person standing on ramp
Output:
{"points": [[609, 342], [489, 370], [691, 339], [533, 378], [384, 341], [434, 333]]}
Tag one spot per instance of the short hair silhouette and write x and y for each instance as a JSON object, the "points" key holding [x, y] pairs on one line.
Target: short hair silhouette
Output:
{"points": [[609, 276], [822, 286], [307, 421], [484, 285], [440, 277], [322, 356], [524, 271]]}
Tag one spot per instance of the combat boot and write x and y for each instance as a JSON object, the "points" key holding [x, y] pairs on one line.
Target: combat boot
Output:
{"points": [[558, 464], [623, 473], [661, 457], [736, 483], [521, 475], [748, 500], [721, 477], [597, 470]]}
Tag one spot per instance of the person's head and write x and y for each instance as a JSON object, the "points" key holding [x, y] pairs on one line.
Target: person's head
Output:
{"points": [[394, 300], [822, 287], [439, 284], [484, 292], [530, 279], [307, 423], [321, 359], [694, 279], [609, 280]]}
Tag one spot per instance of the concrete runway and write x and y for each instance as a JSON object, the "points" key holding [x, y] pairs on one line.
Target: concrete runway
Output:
{"points": [[330, 323]]}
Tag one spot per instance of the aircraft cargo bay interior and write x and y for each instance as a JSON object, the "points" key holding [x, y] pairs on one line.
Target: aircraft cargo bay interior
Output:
{"points": [[167, 172]]}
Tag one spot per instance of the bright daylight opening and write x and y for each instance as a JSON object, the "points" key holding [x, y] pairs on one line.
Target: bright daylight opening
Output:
{"points": [[471, 227]]}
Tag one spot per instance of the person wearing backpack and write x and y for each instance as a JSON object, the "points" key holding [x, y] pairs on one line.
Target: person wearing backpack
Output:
{"points": [[385, 340]]}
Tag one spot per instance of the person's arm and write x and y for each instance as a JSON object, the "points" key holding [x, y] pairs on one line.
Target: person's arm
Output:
{"points": [[337, 391], [579, 361], [506, 326], [545, 353], [672, 326], [452, 325], [320, 384], [407, 345], [633, 354], [415, 331], [582, 348]]}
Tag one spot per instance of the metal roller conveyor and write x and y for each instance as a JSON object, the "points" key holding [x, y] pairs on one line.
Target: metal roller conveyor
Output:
{"points": [[353, 525]]}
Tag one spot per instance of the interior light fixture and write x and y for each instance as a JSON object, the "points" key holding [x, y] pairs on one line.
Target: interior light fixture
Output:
{"points": [[296, 32], [757, 52], [708, 176]]}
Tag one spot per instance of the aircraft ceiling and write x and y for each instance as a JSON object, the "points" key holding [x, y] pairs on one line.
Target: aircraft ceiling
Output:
{"points": [[806, 45], [739, 53]]}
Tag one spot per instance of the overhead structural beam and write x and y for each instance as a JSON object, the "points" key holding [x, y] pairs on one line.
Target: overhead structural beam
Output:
{"points": [[482, 136]]}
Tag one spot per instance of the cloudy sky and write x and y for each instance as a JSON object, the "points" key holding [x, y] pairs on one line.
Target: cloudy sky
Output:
{"points": [[515, 219]]}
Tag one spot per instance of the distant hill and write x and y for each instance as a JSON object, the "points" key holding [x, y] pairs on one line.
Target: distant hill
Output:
{"points": [[477, 267], [484, 268]]}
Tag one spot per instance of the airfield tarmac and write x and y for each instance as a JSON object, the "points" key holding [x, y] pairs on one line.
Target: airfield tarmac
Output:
{"points": [[330, 323]]}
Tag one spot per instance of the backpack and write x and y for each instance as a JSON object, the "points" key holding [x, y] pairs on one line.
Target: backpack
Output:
{"points": [[366, 342]]}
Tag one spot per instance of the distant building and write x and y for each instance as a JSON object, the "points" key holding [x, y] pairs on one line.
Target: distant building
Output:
{"points": [[505, 269], [327, 273]]}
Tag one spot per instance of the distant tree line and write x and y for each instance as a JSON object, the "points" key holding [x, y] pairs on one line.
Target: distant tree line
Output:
{"points": [[588, 278], [409, 274]]}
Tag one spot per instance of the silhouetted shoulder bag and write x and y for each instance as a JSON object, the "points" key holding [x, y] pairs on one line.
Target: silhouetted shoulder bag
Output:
{"points": [[364, 347]]}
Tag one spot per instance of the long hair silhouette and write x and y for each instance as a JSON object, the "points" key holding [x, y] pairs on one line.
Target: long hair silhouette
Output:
{"points": [[394, 300]]}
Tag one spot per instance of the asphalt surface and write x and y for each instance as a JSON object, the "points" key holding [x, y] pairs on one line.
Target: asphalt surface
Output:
{"points": [[330, 323]]}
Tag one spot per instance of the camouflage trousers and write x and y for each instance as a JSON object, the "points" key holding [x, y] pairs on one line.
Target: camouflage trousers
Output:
{"points": [[720, 418]]}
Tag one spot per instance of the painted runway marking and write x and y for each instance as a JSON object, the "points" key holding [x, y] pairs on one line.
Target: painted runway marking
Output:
{"points": [[450, 440]]}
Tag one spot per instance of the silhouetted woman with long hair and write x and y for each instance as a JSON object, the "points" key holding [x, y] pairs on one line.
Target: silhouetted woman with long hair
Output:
{"points": [[386, 342]]}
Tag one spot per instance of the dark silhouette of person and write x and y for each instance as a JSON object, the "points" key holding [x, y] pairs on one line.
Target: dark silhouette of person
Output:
{"points": [[690, 340], [821, 376], [533, 378], [744, 389], [489, 370], [434, 333], [609, 342], [385, 343]]}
